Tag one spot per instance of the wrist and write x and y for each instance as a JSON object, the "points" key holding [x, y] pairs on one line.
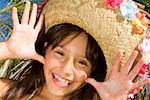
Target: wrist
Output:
{"points": [[116, 97], [124, 97], [4, 52]]}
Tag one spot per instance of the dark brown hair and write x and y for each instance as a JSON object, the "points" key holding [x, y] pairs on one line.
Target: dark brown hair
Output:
{"points": [[32, 77]]}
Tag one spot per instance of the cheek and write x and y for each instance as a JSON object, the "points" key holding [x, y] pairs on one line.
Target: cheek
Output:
{"points": [[50, 62], [81, 75], [49, 65]]}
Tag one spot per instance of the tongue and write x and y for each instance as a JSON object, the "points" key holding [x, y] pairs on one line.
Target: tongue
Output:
{"points": [[60, 84]]}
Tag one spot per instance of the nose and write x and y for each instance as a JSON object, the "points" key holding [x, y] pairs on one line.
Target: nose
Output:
{"points": [[68, 67]]}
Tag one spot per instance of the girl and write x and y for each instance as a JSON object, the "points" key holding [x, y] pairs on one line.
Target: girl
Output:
{"points": [[65, 59]]}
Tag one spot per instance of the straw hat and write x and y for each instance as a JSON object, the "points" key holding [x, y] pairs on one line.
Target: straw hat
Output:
{"points": [[107, 26]]}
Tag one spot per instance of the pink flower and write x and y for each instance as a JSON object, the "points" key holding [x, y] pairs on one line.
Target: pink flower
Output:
{"points": [[144, 69], [135, 91], [145, 49], [40, 7], [113, 3]]}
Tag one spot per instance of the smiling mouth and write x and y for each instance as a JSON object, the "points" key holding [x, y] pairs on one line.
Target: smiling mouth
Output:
{"points": [[60, 82]]}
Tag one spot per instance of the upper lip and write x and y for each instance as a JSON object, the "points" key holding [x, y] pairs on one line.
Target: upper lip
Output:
{"points": [[69, 80]]}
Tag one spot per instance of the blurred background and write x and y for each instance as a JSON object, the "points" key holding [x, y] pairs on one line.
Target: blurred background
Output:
{"points": [[12, 68]]}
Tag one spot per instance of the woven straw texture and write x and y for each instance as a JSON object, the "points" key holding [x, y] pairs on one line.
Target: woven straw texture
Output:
{"points": [[109, 29]]}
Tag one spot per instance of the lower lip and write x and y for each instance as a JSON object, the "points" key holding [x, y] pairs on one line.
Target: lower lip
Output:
{"points": [[58, 83]]}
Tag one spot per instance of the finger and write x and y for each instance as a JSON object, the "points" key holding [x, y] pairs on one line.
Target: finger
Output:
{"points": [[100, 88], [40, 23], [117, 61], [39, 58], [140, 47], [141, 83], [25, 17], [133, 73], [127, 67], [33, 16], [15, 17]]}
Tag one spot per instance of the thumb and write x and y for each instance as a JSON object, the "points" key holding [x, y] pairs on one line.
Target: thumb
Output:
{"points": [[99, 87], [93, 82], [39, 58]]}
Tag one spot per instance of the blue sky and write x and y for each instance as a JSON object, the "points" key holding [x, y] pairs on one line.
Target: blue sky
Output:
{"points": [[8, 20], [4, 18]]}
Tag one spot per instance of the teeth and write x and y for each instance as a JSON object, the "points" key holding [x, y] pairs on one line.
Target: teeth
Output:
{"points": [[60, 79]]}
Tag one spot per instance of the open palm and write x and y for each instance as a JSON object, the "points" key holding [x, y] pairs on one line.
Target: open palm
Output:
{"points": [[120, 82], [22, 41]]}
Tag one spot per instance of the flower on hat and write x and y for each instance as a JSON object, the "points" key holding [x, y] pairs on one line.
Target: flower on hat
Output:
{"points": [[140, 23], [135, 91], [138, 26], [128, 9], [113, 3], [142, 18], [143, 73], [145, 49]]}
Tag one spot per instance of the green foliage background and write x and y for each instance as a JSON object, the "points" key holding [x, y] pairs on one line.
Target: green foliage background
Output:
{"points": [[146, 3]]}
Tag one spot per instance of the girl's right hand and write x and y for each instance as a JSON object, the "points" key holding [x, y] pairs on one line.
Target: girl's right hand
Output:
{"points": [[21, 44]]}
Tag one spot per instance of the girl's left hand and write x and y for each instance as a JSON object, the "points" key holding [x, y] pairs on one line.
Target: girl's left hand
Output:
{"points": [[120, 82]]}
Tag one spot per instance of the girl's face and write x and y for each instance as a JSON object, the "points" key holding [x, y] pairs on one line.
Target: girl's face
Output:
{"points": [[67, 67]]}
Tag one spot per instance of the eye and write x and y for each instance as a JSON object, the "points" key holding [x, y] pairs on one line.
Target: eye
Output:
{"points": [[60, 53], [82, 62]]}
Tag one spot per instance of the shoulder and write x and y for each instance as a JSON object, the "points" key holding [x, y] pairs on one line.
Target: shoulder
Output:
{"points": [[4, 85]]}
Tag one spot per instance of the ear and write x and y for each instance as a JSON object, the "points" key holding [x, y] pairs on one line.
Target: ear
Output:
{"points": [[45, 47], [45, 44]]}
